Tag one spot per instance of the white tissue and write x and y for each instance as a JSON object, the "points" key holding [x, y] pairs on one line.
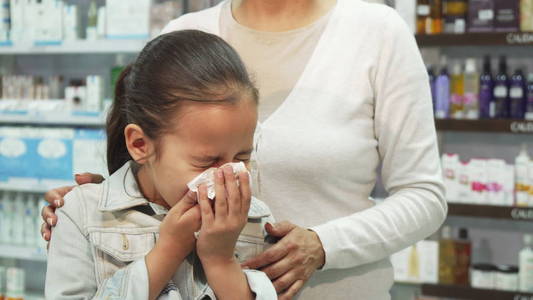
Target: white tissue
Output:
{"points": [[208, 177]]}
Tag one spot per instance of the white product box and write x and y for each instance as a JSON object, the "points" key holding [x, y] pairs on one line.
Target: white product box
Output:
{"points": [[495, 179], [464, 183], [48, 14], [89, 154], [95, 93], [71, 22], [477, 170], [450, 167], [128, 19]]}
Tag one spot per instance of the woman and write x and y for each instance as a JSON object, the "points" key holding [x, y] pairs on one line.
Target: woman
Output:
{"points": [[343, 91]]}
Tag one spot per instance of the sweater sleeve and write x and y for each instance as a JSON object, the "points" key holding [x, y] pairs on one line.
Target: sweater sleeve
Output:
{"points": [[407, 145]]}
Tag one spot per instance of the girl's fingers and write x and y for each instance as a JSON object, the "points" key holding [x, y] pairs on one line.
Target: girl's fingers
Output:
{"points": [[246, 192], [234, 195], [186, 203], [221, 205], [205, 206]]}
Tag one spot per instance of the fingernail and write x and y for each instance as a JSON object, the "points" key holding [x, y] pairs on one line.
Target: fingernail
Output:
{"points": [[57, 203], [44, 236], [220, 173], [50, 221], [269, 224]]}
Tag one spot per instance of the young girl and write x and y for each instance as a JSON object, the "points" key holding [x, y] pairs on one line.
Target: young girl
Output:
{"points": [[184, 106]]}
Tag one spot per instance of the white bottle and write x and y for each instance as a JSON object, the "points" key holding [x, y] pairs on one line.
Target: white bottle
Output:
{"points": [[526, 265], [471, 90], [7, 216], [18, 220], [521, 177], [29, 221], [41, 243]]}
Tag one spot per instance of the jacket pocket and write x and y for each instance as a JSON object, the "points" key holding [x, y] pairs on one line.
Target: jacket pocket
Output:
{"points": [[115, 248], [251, 241]]}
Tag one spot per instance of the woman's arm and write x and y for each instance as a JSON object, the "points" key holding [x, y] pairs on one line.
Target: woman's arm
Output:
{"points": [[407, 145]]}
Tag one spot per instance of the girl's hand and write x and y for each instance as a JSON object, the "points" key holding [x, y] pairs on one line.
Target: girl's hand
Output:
{"points": [[179, 225], [221, 227]]}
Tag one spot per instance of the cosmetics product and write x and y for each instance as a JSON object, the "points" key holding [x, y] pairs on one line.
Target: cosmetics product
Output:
{"points": [[463, 253], [423, 21], [435, 17], [471, 90], [506, 15], [506, 278], [15, 284], [30, 217], [442, 93], [501, 91], [486, 85], [447, 257], [428, 251], [455, 12], [71, 22], [517, 96], [526, 15], [508, 185], [495, 180], [521, 177], [529, 102], [432, 82], [480, 15], [92, 22], [483, 276], [464, 185], [457, 90], [526, 265], [477, 173], [18, 220], [450, 167]]}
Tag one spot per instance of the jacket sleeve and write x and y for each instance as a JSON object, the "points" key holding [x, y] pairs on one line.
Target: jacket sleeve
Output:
{"points": [[71, 268]]}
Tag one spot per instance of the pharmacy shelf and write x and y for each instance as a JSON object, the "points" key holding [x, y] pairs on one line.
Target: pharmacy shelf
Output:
{"points": [[53, 118], [74, 47], [518, 214], [465, 292], [30, 187], [489, 126], [476, 39], [23, 253]]}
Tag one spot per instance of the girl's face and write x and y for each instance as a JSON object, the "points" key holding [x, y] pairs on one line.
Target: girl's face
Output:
{"points": [[204, 136]]}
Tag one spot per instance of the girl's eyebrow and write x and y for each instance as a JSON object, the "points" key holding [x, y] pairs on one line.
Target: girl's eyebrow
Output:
{"points": [[206, 158]]}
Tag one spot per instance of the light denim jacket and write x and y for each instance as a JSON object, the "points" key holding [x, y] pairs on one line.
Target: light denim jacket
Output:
{"points": [[99, 243]]}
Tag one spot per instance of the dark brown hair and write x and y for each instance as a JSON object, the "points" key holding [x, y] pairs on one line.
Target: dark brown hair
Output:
{"points": [[187, 65]]}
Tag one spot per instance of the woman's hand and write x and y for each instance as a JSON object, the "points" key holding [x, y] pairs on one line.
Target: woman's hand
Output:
{"points": [[55, 200], [292, 260]]}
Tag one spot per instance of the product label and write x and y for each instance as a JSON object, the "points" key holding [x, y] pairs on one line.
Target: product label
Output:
{"points": [[524, 127], [516, 92], [486, 14], [423, 10], [500, 91]]}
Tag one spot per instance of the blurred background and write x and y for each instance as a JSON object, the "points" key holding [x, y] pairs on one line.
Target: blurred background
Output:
{"points": [[59, 61]]}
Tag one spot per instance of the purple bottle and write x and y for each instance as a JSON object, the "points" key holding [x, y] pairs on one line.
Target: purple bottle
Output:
{"points": [[442, 94], [501, 91], [486, 85], [529, 104], [517, 93]]}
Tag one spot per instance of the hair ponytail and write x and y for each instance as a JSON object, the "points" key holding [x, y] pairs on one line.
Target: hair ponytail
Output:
{"points": [[117, 120]]}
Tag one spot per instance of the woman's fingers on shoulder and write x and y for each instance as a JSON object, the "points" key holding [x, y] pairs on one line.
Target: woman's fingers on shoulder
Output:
{"points": [[88, 178], [55, 196]]}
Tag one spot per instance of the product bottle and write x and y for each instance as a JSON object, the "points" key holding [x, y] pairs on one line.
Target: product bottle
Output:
{"points": [[29, 222], [7, 216], [435, 17], [526, 265], [501, 91], [517, 93], [457, 88], [486, 85], [116, 70], [455, 12], [413, 267], [442, 93], [529, 104], [432, 81], [463, 252], [92, 21], [471, 90], [422, 16], [447, 257], [526, 15], [18, 220], [521, 177]]}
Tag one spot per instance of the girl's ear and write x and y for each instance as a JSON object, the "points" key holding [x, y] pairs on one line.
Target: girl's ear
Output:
{"points": [[138, 144]]}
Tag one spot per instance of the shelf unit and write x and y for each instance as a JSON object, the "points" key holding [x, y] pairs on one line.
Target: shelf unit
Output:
{"points": [[476, 39], [508, 213], [23, 253], [74, 47], [466, 292], [53, 118], [488, 126]]}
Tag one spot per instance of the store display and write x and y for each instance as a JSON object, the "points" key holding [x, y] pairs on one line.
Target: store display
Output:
{"points": [[20, 219], [417, 263], [471, 85], [457, 92], [486, 85], [501, 91], [517, 93], [442, 92], [526, 265]]}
